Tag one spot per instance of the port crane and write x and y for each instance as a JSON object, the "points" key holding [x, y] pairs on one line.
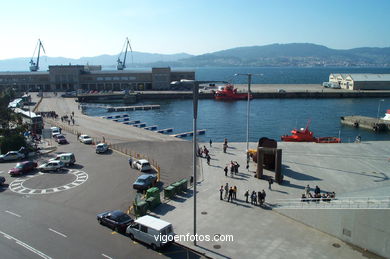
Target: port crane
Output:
{"points": [[35, 66], [122, 65]]}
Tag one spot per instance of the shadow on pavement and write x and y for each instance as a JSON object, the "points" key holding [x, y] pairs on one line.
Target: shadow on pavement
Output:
{"points": [[298, 176], [163, 209]]}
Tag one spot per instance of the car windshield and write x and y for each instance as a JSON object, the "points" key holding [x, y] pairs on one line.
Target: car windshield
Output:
{"points": [[141, 180], [145, 164], [123, 217], [19, 165]]}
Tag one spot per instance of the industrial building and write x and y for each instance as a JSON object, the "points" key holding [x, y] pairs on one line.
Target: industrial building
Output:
{"points": [[361, 81], [75, 77]]}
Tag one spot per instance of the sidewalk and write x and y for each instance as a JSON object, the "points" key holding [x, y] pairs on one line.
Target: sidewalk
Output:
{"points": [[260, 232]]}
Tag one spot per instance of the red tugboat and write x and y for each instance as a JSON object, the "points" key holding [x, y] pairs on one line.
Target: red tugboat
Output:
{"points": [[305, 135], [228, 92]]}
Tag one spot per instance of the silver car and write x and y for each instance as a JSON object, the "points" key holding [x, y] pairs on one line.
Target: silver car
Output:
{"points": [[53, 165], [11, 155]]}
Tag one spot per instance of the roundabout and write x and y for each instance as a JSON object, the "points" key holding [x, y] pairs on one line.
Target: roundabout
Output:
{"points": [[46, 183]]}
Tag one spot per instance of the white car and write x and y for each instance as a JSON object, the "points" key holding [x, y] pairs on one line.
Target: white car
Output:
{"points": [[85, 139], [11, 155], [53, 165], [142, 165], [101, 148], [55, 131]]}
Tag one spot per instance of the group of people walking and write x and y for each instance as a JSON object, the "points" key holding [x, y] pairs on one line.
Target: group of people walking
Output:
{"points": [[233, 168], [230, 193], [256, 198]]}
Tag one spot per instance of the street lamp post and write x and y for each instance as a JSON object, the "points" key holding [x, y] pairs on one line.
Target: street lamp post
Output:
{"points": [[379, 106], [247, 114], [195, 91]]}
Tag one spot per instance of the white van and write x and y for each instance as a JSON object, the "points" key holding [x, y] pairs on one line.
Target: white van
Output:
{"points": [[67, 158], [152, 231], [55, 131]]}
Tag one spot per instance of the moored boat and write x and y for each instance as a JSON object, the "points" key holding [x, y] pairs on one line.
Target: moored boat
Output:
{"points": [[305, 135], [387, 116], [228, 92]]}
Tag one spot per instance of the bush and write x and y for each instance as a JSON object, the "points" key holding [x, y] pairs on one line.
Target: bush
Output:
{"points": [[11, 143]]}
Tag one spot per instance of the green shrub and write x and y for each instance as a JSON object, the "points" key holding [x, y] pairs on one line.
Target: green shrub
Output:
{"points": [[11, 143]]}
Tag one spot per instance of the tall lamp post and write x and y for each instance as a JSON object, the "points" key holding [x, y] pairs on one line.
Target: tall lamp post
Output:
{"points": [[248, 107], [379, 107], [195, 90]]}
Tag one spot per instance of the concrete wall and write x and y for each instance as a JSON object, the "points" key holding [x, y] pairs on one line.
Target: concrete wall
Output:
{"points": [[365, 228]]}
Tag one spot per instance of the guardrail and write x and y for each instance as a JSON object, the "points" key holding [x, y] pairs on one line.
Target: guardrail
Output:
{"points": [[379, 202]]}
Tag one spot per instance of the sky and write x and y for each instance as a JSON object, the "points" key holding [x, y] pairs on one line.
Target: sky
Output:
{"points": [[86, 28]]}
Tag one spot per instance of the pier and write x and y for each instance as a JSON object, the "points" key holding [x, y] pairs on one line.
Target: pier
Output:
{"points": [[131, 122], [186, 134], [133, 108], [139, 125], [374, 124], [153, 127], [116, 116], [164, 130]]}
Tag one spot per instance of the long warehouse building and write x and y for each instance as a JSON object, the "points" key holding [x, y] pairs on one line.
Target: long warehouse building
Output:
{"points": [[361, 81], [75, 77]]}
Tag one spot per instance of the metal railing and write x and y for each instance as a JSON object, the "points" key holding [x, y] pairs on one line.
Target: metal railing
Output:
{"points": [[374, 202]]}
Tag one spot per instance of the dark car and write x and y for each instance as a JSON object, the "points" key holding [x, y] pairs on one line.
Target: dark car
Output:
{"points": [[60, 139], [145, 181], [22, 168], [115, 219]]}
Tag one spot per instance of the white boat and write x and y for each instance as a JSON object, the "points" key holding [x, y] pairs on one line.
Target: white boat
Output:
{"points": [[387, 116]]}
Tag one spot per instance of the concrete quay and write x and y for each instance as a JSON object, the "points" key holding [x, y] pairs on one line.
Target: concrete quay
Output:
{"points": [[374, 124]]}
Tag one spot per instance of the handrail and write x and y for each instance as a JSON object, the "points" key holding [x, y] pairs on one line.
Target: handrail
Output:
{"points": [[375, 202]]}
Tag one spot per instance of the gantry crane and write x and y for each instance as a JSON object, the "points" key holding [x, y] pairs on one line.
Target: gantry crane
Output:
{"points": [[122, 65], [35, 66]]}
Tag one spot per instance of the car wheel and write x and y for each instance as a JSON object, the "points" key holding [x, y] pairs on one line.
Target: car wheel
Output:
{"points": [[58, 169], [154, 247], [131, 236], [100, 221]]}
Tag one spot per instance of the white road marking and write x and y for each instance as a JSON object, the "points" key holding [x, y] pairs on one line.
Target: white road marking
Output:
{"points": [[30, 248], [13, 213], [57, 232], [106, 256]]}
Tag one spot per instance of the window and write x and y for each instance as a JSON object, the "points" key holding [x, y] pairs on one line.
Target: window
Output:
{"points": [[144, 229]]}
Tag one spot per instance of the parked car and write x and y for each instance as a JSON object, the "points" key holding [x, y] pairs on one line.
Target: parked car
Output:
{"points": [[60, 139], [281, 91], [142, 165], [55, 131], [85, 139], [66, 158], [145, 181], [22, 168], [2, 180], [147, 228], [115, 219], [101, 148], [53, 165], [11, 155]]}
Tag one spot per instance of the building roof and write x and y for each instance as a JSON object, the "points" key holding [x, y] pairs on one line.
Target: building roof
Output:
{"points": [[24, 73], [370, 77]]}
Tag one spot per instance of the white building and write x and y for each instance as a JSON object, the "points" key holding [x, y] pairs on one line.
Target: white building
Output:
{"points": [[361, 81]]}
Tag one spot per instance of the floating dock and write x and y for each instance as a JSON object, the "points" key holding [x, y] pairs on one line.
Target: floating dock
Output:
{"points": [[186, 134], [139, 125], [116, 116], [154, 127], [374, 124], [133, 108], [164, 130], [131, 122]]}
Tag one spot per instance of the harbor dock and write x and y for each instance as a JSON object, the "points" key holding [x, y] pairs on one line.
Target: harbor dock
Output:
{"points": [[374, 124], [186, 134], [133, 108]]}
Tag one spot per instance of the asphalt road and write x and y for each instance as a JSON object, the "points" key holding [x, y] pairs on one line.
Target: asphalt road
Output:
{"points": [[62, 223]]}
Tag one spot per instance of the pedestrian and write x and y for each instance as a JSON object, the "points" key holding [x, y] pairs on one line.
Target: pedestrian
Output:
{"points": [[226, 190], [225, 141], [220, 193], [254, 196], [72, 121], [270, 182], [130, 161], [317, 191], [232, 169], [208, 159], [236, 166], [246, 196], [211, 143], [226, 170], [307, 190], [230, 197], [235, 192], [225, 148], [68, 122], [263, 195], [260, 197], [72, 113], [104, 139]]}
